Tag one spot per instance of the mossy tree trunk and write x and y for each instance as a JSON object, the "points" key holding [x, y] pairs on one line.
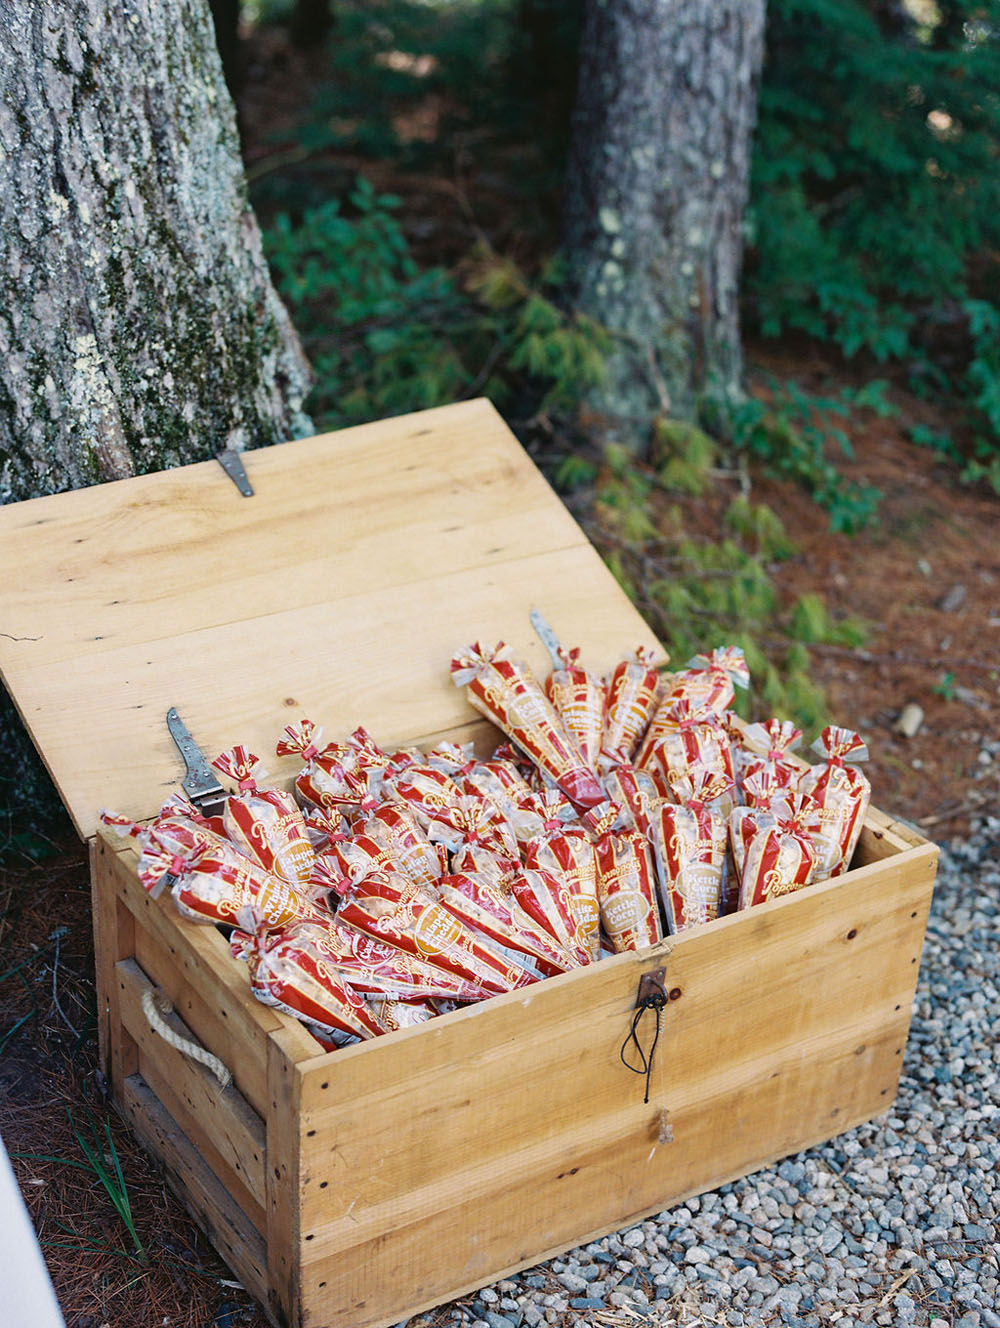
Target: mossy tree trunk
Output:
{"points": [[656, 190], [139, 328]]}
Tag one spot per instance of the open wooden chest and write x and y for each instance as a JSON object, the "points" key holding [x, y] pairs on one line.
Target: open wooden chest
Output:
{"points": [[358, 1187]]}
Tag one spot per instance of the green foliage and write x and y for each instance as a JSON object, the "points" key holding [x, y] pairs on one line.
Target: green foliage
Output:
{"points": [[793, 433], [945, 686], [811, 622], [385, 336], [759, 526], [684, 456], [698, 592], [98, 1147], [876, 193]]}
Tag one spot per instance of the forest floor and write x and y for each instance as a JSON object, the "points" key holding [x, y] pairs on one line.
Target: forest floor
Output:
{"points": [[925, 578]]}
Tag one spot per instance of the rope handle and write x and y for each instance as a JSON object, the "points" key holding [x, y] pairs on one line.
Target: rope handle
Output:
{"points": [[156, 1006]]}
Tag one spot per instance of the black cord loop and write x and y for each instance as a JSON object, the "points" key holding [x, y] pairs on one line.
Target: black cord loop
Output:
{"points": [[656, 1002]]}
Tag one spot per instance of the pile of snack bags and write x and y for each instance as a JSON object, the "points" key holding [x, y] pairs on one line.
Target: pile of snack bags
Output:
{"points": [[393, 886]]}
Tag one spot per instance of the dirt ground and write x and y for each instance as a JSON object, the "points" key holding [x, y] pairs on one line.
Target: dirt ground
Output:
{"points": [[927, 580]]}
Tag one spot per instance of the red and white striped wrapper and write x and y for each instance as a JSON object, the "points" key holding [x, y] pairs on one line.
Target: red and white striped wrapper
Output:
{"points": [[497, 779], [414, 920], [293, 973], [510, 695], [634, 792], [375, 968], [397, 830], [567, 851], [333, 776], [692, 739], [780, 856], [430, 794], [495, 912], [689, 843], [392, 1015], [265, 823], [214, 880], [626, 886], [768, 746], [546, 898], [631, 692], [843, 795], [578, 698], [710, 680]]}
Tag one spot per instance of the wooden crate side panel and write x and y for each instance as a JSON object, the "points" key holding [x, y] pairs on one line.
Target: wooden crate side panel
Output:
{"points": [[219, 1121], [233, 1235], [114, 939], [465, 1241], [461, 1092], [783, 1018], [198, 958], [284, 1183]]}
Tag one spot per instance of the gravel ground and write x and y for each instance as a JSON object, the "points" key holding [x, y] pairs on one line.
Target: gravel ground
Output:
{"points": [[896, 1222]]}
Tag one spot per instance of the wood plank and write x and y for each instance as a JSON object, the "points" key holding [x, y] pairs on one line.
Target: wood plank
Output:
{"points": [[202, 957], [820, 979], [592, 1190], [219, 1122], [284, 1159], [114, 939], [168, 553], [361, 660], [236, 1239]]}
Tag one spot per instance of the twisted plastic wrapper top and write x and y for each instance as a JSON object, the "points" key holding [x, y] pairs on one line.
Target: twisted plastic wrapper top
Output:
{"points": [[692, 739], [780, 854], [334, 777], [265, 824], [579, 700], [843, 795], [631, 700], [509, 695], [767, 746]]}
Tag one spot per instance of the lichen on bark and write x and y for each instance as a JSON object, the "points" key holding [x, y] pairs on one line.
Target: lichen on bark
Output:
{"points": [[139, 328], [656, 190]]}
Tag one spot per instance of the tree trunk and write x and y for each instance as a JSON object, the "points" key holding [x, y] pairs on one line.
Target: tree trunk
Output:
{"points": [[656, 188], [140, 328]]}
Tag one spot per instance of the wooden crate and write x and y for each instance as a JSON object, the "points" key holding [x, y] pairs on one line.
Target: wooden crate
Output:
{"points": [[359, 1187]]}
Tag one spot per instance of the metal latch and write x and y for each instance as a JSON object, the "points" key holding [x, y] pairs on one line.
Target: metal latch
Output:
{"points": [[200, 784], [232, 464]]}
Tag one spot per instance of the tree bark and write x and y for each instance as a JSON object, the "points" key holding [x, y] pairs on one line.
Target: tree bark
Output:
{"points": [[656, 188], [140, 328]]}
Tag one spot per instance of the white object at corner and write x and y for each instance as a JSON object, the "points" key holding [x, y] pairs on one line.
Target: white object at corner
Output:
{"points": [[28, 1298]]}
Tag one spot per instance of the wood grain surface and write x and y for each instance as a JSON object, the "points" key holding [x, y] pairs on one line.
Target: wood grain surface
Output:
{"points": [[339, 592]]}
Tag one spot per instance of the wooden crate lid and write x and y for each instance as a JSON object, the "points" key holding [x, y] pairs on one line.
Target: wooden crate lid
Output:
{"points": [[339, 592]]}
